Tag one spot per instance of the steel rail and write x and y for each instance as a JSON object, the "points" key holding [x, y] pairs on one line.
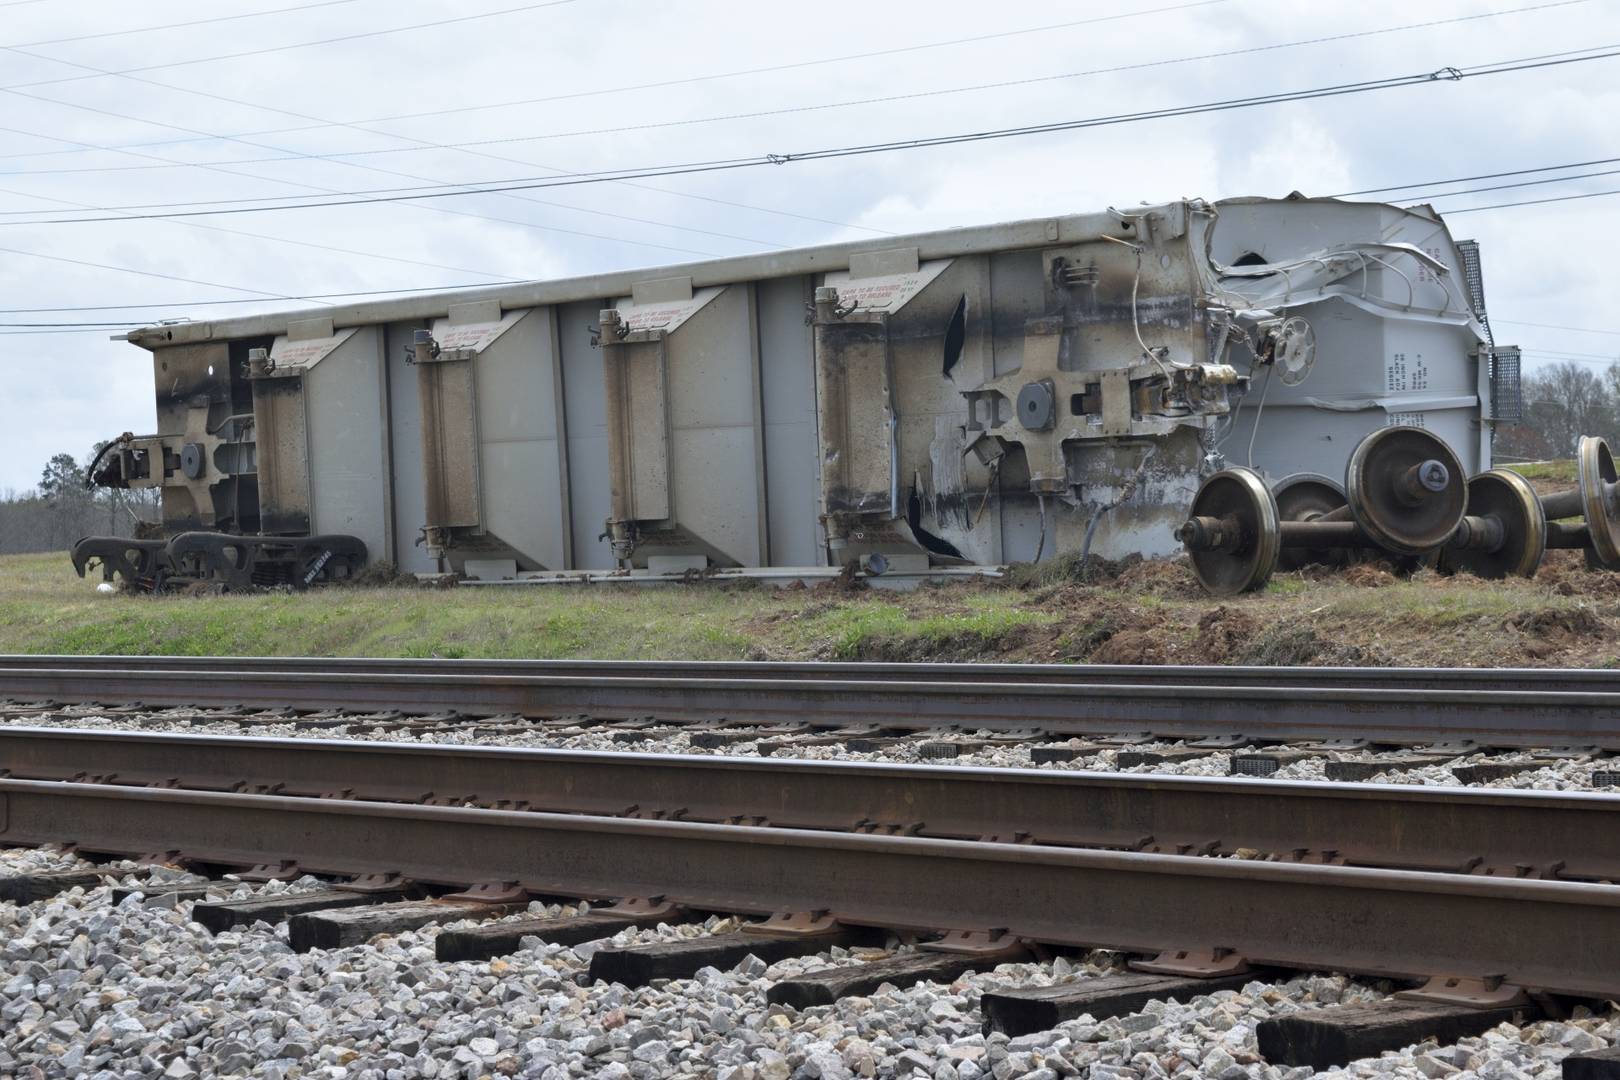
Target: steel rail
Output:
{"points": [[1573, 835], [1596, 680], [1559, 936], [1265, 713]]}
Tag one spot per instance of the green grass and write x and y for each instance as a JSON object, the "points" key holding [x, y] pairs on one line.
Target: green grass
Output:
{"points": [[1155, 612], [889, 629], [44, 608], [1560, 472]]}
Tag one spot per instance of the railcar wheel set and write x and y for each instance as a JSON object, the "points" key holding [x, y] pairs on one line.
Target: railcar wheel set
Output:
{"points": [[1403, 496]]}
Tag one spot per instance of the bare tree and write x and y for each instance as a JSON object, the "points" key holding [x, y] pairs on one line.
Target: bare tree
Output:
{"points": [[1562, 402]]}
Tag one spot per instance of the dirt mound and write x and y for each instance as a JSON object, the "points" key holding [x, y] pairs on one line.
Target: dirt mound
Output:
{"points": [[1160, 577], [1222, 633], [1132, 647], [1557, 623], [1367, 575], [1294, 643]]}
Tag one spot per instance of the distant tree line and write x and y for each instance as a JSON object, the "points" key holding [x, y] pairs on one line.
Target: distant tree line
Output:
{"points": [[54, 515], [1562, 402]]}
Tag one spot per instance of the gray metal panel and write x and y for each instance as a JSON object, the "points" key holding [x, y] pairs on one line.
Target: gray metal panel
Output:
{"points": [[405, 442], [589, 500], [521, 466], [792, 474], [348, 443], [1017, 294], [944, 244], [713, 398]]}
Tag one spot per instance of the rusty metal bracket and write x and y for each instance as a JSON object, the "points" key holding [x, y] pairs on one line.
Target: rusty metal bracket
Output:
{"points": [[869, 827], [993, 942], [373, 883], [1197, 964], [793, 924], [642, 907], [1486, 992], [491, 892], [285, 870], [656, 813], [1551, 871]]}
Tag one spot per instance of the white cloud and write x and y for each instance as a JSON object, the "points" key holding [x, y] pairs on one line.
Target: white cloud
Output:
{"points": [[1543, 264]]}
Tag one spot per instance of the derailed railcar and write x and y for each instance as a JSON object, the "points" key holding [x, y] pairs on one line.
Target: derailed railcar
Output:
{"points": [[963, 398]]}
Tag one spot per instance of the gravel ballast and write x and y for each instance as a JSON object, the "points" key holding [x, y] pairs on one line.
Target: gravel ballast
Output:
{"points": [[141, 991]]}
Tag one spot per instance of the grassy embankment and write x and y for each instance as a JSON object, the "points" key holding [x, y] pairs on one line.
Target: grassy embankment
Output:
{"points": [[1144, 613]]}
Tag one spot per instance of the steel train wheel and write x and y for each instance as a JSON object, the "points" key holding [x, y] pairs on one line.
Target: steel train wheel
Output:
{"points": [[1239, 494], [1508, 497], [1595, 471], [1308, 497], [1377, 476]]}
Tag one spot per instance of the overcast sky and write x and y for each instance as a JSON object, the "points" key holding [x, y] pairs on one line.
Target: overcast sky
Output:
{"points": [[107, 104]]}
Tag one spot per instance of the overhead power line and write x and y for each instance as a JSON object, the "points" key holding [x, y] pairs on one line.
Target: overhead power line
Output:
{"points": [[1471, 179], [219, 167], [297, 243], [103, 325], [692, 79], [1555, 326], [173, 26], [1516, 184], [1446, 74], [191, 61], [1525, 202], [174, 304], [420, 145]]}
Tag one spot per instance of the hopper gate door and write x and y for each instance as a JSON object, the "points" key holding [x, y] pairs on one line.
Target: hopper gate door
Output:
{"points": [[493, 463], [685, 434]]}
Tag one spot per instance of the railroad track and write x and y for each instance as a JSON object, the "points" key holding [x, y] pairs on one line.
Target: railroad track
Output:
{"points": [[1301, 704], [1595, 680], [1404, 882]]}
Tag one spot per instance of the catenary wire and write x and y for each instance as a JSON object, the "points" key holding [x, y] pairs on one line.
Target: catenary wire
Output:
{"points": [[223, 167], [708, 77], [1471, 179], [191, 61], [421, 145], [1525, 202], [1556, 326], [175, 26], [1448, 74]]}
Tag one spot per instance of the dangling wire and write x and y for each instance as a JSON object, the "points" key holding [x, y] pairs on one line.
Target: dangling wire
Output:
{"points": [[1041, 547], [1258, 410]]}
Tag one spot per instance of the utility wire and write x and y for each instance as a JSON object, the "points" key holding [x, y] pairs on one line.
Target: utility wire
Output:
{"points": [[1502, 206], [357, 36], [216, 303], [707, 77], [797, 109], [1503, 187], [174, 26], [1446, 74], [219, 167], [165, 163], [148, 273], [290, 241], [1556, 326], [319, 297], [1471, 179]]}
